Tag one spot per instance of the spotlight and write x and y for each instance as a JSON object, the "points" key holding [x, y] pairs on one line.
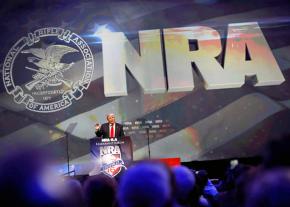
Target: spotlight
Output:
{"points": [[102, 30]]}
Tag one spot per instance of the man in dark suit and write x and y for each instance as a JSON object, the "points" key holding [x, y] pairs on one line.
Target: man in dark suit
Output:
{"points": [[110, 129]]}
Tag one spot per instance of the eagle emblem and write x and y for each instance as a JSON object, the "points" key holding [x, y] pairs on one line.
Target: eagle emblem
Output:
{"points": [[58, 75], [50, 69]]}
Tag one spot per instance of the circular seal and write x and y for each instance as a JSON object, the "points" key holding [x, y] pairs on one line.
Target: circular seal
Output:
{"points": [[48, 69]]}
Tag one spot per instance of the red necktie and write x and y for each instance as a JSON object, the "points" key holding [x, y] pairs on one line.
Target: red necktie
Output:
{"points": [[112, 131]]}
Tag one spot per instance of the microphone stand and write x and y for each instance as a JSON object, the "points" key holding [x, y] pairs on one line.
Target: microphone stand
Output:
{"points": [[67, 152], [148, 142], [68, 131]]}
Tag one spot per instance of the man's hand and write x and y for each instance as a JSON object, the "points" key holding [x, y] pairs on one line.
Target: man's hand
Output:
{"points": [[97, 126]]}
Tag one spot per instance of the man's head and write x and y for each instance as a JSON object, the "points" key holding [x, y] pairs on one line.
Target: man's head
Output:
{"points": [[111, 118], [146, 184]]}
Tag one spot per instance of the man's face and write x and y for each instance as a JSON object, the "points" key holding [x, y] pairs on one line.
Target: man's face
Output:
{"points": [[111, 118]]}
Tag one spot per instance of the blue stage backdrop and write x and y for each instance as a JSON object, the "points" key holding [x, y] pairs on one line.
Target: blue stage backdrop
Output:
{"points": [[53, 73]]}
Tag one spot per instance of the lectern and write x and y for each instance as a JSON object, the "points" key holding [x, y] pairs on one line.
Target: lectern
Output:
{"points": [[114, 154]]}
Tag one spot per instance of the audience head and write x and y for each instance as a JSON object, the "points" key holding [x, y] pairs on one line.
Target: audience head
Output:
{"points": [[74, 195], [232, 175], [201, 178], [277, 153], [27, 179], [184, 184], [270, 189], [146, 184], [100, 190]]}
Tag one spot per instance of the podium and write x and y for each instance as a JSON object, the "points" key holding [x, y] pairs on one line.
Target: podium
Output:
{"points": [[113, 154]]}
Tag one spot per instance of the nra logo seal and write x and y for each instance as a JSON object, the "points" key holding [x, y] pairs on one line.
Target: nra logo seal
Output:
{"points": [[111, 160], [48, 69]]}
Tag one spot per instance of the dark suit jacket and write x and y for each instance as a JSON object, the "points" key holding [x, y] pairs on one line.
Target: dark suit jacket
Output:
{"points": [[104, 131]]}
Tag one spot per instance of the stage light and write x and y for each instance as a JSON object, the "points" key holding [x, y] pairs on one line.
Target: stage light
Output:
{"points": [[102, 30]]}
